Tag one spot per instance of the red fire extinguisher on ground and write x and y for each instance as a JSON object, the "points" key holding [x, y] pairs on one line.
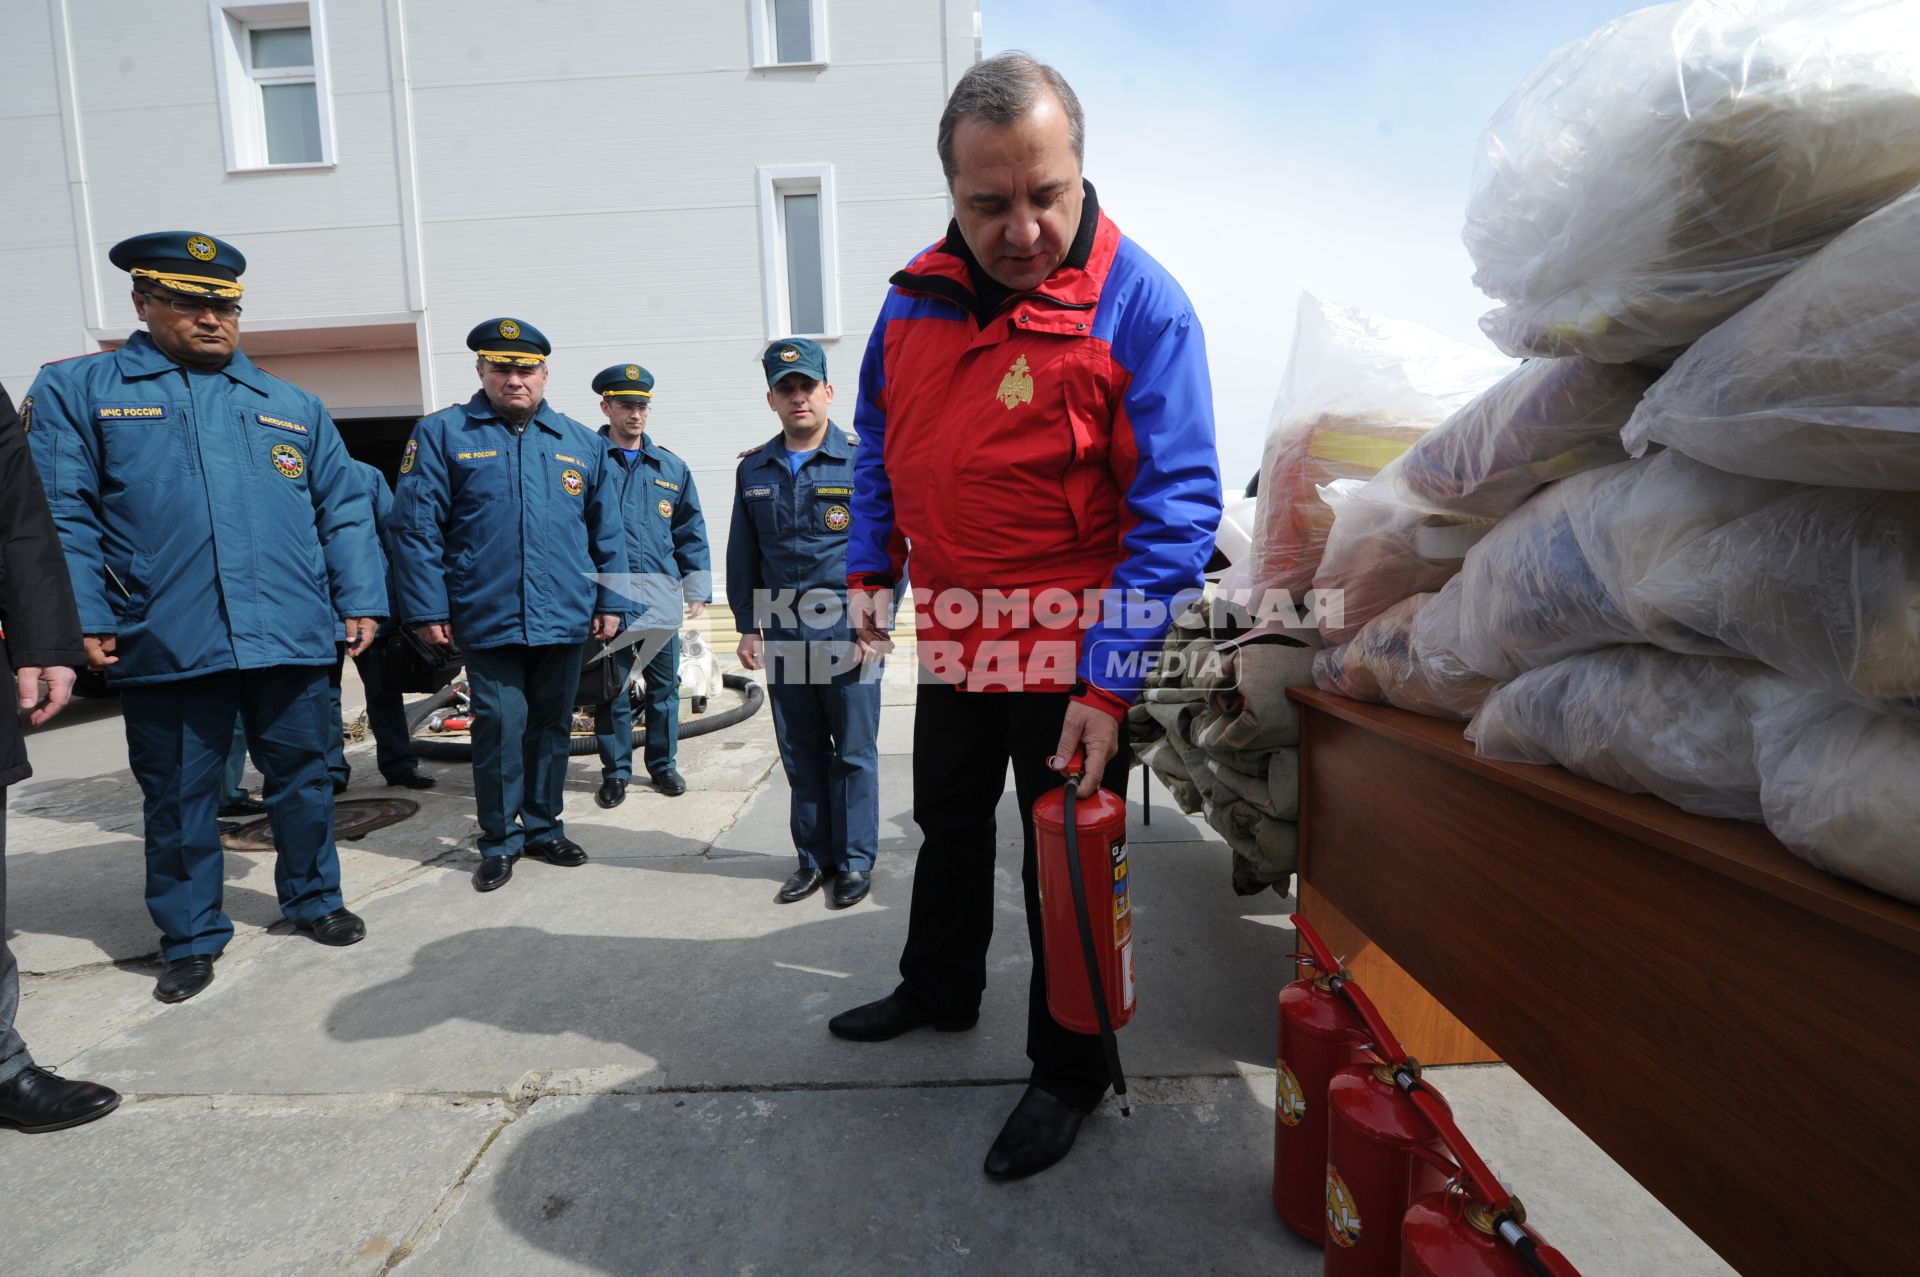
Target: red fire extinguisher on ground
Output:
{"points": [[1472, 1227], [1086, 912], [1319, 1035]]}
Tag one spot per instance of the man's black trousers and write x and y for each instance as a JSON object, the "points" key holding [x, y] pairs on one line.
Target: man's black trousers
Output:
{"points": [[962, 743]]}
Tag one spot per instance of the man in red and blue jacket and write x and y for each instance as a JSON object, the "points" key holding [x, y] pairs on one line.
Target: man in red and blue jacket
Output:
{"points": [[1036, 424]]}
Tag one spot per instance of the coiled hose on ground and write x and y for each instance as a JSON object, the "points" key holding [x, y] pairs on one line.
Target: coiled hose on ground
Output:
{"points": [[462, 750]]}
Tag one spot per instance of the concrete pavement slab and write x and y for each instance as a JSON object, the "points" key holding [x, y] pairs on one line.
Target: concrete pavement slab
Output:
{"points": [[1578, 1197], [686, 972], [793, 1183], [159, 1189]]}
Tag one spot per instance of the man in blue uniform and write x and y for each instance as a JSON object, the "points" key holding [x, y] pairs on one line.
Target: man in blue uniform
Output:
{"points": [[787, 586], [216, 535], [668, 562], [505, 512], [386, 708]]}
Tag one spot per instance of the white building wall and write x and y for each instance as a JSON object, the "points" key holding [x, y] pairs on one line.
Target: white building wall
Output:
{"points": [[589, 166]]}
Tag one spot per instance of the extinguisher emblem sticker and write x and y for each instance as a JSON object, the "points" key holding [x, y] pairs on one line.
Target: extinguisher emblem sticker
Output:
{"points": [[1288, 1099], [1343, 1217], [1121, 904]]}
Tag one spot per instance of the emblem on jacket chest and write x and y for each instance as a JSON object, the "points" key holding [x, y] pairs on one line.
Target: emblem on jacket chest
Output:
{"points": [[1016, 387]]}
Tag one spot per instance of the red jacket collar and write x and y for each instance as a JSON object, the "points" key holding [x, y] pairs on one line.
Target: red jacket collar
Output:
{"points": [[946, 270]]}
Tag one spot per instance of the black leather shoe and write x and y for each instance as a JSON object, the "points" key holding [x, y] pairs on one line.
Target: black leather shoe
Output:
{"points": [[670, 783], [803, 884], [243, 807], [35, 1100], [889, 1018], [613, 792], [1039, 1132], [564, 852], [341, 927], [410, 780], [184, 977], [850, 887], [493, 873]]}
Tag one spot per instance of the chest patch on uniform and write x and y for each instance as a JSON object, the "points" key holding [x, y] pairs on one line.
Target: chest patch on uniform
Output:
{"points": [[288, 461], [836, 518], [1016, 387], [665, 508], [481, 455], [280, 423], [561, 456], [756, 494], [406, 458], [671, 487], [833, 492], [573, 482], [130, 412], [26, 414]]}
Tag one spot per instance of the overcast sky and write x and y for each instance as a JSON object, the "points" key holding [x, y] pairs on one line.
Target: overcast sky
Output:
{"points": [[1259, 147]]}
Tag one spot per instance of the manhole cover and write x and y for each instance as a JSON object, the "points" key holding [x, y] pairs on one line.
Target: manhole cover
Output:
{"points": [[352, 821]]}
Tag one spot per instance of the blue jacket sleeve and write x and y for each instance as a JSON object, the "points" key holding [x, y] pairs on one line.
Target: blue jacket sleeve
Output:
{"points": [[418, 526], [690, 553], [349, 532], [743, 564], [1168, 465], [875, 554], [66, 451], [607, 534]]}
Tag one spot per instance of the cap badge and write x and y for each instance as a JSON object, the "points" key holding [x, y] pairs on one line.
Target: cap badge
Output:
{"points": [[788, 355], [509, 329], [200, 247], [1016, 387], [633, 372]]}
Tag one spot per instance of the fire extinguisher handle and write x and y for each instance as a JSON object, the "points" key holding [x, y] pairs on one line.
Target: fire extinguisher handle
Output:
{"points": [[1077, 764]]}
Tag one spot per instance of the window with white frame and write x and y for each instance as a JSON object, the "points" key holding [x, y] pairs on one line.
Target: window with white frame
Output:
{"points": [[273, 84], [800, 257], [788, 32]]}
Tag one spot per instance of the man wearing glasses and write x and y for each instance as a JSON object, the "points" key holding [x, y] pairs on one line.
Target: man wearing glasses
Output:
{"points": [[217, 537], [506, 533]]}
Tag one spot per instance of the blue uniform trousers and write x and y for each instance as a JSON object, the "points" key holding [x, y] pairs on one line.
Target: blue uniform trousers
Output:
{"points": [[613, 722], [826, 719], [233, 783], [386, 718], [13, 1052], [178, 739], [522, 712], [338, 769]]}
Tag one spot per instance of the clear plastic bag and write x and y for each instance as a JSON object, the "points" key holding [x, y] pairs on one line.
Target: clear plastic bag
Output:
{"points": [[1641, 720], [1648, 181], [1382, 551], [1823, 584], [1546, 420], [1409, 657], [1837, 787], [1358, 391], [1818, 381]]}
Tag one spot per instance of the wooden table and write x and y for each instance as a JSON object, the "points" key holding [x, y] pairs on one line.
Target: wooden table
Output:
{"points": [[1738, 1030]]}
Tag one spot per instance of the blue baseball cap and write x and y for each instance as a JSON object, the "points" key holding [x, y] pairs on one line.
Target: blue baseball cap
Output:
{"points": [[791, 355], [184, 262]]}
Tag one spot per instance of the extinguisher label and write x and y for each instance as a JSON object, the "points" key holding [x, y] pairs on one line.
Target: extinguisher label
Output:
{"points": [[1126, 975], [1343, 1217], [1122, 906], [1289, 1100]]}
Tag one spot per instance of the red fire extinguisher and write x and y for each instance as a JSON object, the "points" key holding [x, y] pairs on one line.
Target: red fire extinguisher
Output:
{"points": [[1472, 1227], [1319, 1035], [1381, 1154], [1086, 913]]}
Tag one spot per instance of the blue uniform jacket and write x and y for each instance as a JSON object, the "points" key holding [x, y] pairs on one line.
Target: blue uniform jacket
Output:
{"points": [[211, 521], [502, 533], [667, 551], [789, 532], [382, 497]]}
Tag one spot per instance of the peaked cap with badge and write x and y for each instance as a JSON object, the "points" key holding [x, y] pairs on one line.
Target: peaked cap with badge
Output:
{"points": [[624, 381], [512, 342], [793, 355], [184, 262]]}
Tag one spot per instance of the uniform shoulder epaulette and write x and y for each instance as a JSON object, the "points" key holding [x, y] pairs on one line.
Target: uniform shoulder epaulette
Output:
{"points": [[750, 451], [852, 438]]}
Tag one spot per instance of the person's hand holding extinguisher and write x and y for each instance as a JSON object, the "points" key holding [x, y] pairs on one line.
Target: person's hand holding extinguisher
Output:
{"points": [[1095, 731]]}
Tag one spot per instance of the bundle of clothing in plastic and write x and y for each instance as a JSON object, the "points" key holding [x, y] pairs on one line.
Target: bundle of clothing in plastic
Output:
{"points": [[1677, 550]]}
